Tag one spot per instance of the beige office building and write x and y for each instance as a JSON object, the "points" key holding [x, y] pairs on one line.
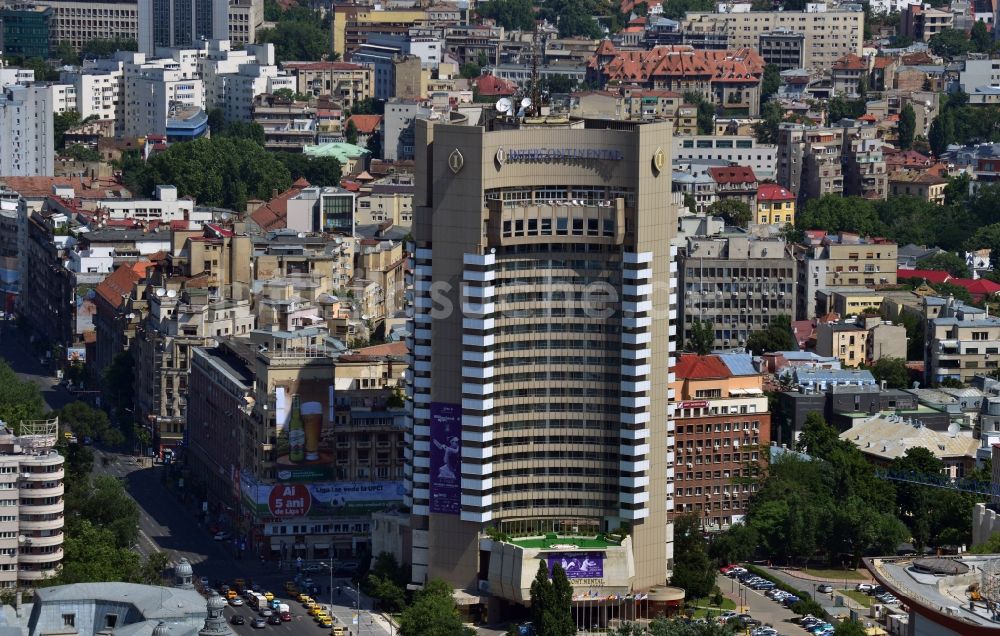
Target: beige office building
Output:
{"points": [[828, 35], [77, 22], [542, 344]]}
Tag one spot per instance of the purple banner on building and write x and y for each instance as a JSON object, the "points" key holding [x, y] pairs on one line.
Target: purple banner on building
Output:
{"points": [[446, 458], [578, 565]]}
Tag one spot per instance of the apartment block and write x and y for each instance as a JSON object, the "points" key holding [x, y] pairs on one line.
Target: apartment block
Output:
{"points": [[27, 141], [738, 283], [345, 82], [920, 23], [841, 159], [843, 260], [742, 150], [922, 185], [783, 48], [77, 22], [199, 294], [99, 84], [353, 24], [244, 391], [865, 340], [723, 433], [827, 35], [155, 90], [962, 340], [531, 412], [633, 103], [31, 528], [246, 17]]}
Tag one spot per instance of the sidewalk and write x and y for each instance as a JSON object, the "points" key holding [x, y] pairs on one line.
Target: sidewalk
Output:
{"points": [[865, 575]]}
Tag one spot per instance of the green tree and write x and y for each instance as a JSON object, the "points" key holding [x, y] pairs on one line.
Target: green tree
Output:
{"points": [[949, 43], [79, 152], [907, 126], [702, 337], [103, 47], [777, 336], [20, 400], [734, 544], [562, 605], [770, 83], [840, 108], [947, 262], [892, 371], [690, 203], [818, 438], [957, 190], [61, 122], [839, 214], [990, 546], [297, 40], [433, 613], [693, 570], [470, 70], [65, 53], [223, 171], [735, 212], [512, 15], [848, 627], [318, 171], [766, 130], [676, 9], [942, 132], [351, 133], [980, 37]]}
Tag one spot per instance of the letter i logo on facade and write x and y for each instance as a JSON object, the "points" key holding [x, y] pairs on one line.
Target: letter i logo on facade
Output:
{"points": [[455, 161]]}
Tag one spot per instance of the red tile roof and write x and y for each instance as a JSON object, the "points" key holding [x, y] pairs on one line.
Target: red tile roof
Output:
{"points": [[83, 187], [882, 62], [272, 215], [977, 287], [492, 86], [930, 275], [773, 192], [733, 174], [849, 62], [606, 48], [663, 63], [366, 124], [695, 367], [119, 282]]}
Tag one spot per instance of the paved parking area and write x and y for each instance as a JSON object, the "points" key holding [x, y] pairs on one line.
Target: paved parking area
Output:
{"points": [[760, 607]]}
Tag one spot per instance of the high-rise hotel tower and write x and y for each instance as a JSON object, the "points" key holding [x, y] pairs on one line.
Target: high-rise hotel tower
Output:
{"points": [[542, 344]]}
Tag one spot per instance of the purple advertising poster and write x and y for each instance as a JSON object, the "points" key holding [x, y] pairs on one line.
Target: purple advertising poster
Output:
{"points": [[579, 565], [446, 458]]}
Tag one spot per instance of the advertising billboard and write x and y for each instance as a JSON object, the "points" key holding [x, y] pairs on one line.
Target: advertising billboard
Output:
{"points": [[446, 458], [304, 419], [578, 565], [321, 499]]}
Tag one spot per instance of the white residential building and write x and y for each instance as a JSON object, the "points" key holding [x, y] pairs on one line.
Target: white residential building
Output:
{"points": [[246, 17], [98, 86], [64, 98], [233, 78], [742, 150], [153, 89], [31, 494], [27, 146], [10, 75], [166, 207]]}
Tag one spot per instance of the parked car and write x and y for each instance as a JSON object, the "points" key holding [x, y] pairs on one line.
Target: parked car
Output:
{"points": [[825, 589], [864, 587]]}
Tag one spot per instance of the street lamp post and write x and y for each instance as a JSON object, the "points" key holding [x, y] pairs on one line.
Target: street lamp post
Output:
{"points": [[330, 567]]}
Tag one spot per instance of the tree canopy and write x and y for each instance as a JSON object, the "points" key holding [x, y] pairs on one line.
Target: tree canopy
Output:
{"points": [[433, 613], [299, 34], [892, 371], [702, 337], [693, 570], [510, 14], [223, 171], [907, 127], [946, 262], [20, 400], [777, 336], [735, 212], [950, 43]]}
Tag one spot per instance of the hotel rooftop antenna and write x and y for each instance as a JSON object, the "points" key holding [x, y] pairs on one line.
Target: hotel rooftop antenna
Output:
{"points": [[535, 92]]}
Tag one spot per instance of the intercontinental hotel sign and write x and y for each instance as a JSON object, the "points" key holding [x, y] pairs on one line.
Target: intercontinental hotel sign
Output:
{"points": [[559, 154]]}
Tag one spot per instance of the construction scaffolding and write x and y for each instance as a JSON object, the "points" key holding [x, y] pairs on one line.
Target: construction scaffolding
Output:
{"points": [[38, 435]]}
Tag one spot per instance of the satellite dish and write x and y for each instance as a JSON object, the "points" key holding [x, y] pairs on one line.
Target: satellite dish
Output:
{"points": [[160, 292], [225, 216], [504, 105], [525, 102], [171, 293]]}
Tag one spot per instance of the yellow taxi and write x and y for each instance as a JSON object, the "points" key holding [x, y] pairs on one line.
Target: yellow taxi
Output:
{"points": [[311, 605], [315, 609], [326, 621], [337, 631], [269, 596], [304, 598], [320, 615]]}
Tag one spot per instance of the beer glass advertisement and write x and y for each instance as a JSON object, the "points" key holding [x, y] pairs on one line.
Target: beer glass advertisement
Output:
{"points": [[305, 421], [324, 499], [446, 458]]}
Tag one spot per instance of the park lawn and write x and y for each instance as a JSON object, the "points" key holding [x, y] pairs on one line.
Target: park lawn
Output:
{"points": [[835, 575], [860, 597], [703, 606]]}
